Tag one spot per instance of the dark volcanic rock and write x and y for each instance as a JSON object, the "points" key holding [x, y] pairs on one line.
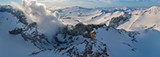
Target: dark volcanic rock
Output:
{"points": [[16, 31]]}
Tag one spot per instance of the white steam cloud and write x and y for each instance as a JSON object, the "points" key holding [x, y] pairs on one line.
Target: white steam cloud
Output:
{"points": [[37, 12]]}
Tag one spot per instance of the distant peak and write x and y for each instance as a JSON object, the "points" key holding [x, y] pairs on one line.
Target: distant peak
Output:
{"points": [[154, 8], [76, 7]]}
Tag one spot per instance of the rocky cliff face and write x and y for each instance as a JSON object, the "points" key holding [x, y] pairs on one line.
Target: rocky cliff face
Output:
{"points": [[68, 40]]}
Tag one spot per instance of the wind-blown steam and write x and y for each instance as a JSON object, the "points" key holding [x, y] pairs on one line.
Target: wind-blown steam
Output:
{"points": [[48, 24]]}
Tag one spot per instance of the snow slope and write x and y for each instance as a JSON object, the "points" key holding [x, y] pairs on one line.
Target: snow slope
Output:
{"points": [[14, 45], [35, 31], [142, 19]]}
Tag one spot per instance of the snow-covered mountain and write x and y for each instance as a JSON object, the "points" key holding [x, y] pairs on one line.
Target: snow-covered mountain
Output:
{"points": [[35, 31]]}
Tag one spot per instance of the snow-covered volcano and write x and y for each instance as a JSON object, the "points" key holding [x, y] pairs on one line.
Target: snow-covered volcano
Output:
{"points": [[35, 31]]}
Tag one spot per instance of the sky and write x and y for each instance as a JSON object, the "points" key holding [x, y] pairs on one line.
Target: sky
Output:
{"points": [[93, 3]]}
